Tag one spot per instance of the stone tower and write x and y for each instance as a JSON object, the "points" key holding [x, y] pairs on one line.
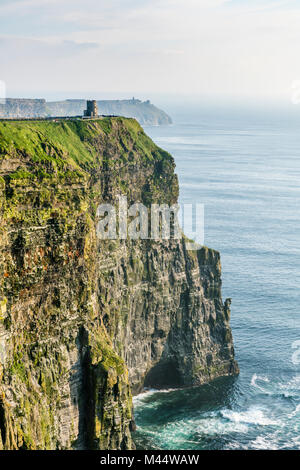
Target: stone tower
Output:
{"points": [[91, 109]]}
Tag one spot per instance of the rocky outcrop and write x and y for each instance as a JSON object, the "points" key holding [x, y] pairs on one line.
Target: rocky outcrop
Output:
{"points": [[84, 323], [143, 111]]}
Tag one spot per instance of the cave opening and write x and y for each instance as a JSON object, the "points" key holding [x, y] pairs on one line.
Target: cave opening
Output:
{"points": [[164, 374]]}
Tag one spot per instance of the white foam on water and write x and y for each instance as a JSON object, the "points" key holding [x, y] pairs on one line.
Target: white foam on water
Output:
{"points": [[260, 378], [140, 398], [256, 377], [254, 415], [235, 446], [179, 434], [264, 443], [216, 426], [291, 388], [296, 442], [295, 412]]}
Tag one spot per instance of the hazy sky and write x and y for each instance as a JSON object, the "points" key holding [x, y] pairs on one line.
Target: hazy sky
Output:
{"points": [[203, 47]]}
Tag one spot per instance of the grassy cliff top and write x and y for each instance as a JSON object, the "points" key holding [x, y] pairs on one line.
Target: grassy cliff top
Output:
{"points": [[83, 151], [76, 144]]}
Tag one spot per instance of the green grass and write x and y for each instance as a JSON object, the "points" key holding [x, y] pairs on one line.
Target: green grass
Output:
{"points": [[77, 151], [44, 142], [71, 141]]}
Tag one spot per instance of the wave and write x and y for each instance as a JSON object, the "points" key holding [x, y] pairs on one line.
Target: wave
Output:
{"points": [[295, 412], [265, 443], [291, 388], [254, 415], [286, 389], [148, 392], [257, 381]]}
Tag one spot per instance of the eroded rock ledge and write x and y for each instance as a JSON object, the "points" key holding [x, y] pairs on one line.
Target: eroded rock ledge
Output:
{"points": [[85, 323]]}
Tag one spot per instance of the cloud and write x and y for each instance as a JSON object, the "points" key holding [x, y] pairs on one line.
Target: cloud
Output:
{"points": [[204, 46], [15, 46], [18, 6], [173, 52]]}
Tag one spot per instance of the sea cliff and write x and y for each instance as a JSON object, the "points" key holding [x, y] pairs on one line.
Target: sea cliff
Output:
{"points": [[85, 323], [143, 111]]}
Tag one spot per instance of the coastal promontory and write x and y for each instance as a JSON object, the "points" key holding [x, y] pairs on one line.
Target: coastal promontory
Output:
{"points": [[86, 323]]}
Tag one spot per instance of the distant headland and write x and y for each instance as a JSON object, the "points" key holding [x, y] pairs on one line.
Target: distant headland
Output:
{"points": [[143, 111]]}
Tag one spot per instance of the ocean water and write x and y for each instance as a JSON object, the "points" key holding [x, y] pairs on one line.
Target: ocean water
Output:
{"points": [[245, 168]]}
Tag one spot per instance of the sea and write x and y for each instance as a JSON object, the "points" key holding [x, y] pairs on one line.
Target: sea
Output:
{"points": [[243, 165]]}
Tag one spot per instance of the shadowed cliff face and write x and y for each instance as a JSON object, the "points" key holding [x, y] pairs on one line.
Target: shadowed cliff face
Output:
{"points": [[84, 322], [177, 329]]}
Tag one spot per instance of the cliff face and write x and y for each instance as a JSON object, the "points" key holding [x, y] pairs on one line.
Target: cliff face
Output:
{"points": [[85, 322], [17, 107], [143, 111]]}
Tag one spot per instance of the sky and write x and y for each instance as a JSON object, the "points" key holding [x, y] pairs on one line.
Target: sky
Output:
{"points": [[241, 48]]}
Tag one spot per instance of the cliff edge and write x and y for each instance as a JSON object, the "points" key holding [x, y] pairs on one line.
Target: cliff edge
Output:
{"points": [[84, 322]]}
